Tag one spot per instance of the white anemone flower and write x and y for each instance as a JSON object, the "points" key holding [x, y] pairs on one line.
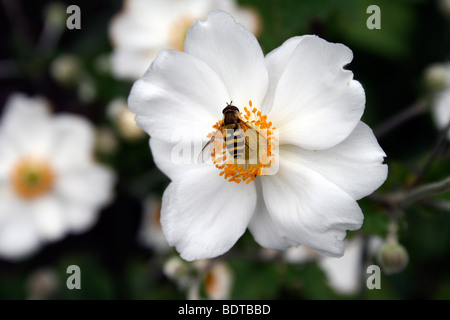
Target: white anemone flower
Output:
{"points": [[49, 183], [144, 27], [327, 159]]}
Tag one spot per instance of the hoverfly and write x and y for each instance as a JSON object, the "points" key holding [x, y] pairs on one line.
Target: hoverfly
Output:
{"points": [[241, 138]]}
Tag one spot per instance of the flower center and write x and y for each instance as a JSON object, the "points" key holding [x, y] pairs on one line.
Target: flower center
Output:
{"points": [[178, 31], [32, 177], [247, 150]]}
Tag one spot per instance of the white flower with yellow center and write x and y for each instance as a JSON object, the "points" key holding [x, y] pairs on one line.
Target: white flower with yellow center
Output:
{"points": [[327, 158], [144, 27], [49, 184]]}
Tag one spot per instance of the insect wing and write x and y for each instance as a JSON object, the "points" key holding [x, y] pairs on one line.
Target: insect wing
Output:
{"points": [[253, 137], [208, 149]]}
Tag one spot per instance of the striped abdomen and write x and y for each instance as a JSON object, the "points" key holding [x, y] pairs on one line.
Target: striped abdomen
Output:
{"points": [[235, 142]]}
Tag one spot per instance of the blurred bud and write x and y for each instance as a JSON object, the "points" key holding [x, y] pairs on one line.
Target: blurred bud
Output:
{"points": [[176, 269], [393, 257], [55, 15], [102, 64], [87, 91], [124, 120], [437, 76], [43, 284], [66, 69], [300, 254], [268, 254], [106, 142]]}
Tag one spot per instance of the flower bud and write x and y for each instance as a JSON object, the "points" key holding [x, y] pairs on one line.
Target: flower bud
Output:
{"points": [[124, 120], [393, 257], [55, 15], [43, 284], [66, 69], [437, 76]]}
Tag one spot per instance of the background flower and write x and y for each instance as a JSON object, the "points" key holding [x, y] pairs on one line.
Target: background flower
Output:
{"points": [[144, 27], [49, 184]]}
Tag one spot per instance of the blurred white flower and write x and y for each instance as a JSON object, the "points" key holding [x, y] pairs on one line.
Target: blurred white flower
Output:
{"points": [[441, 109], [144, 27], [124, 120], [437, 77], [218, 281], [344, 273], [215, 280], [49, 183], [328, 158], [150, 232]]}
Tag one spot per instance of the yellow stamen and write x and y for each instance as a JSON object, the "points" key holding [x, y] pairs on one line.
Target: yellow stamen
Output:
{"points": [[246, 170], [32, 177]]}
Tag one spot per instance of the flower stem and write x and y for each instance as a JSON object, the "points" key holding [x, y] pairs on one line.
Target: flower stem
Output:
{"points": [[414, 110], [423, 192], [435, 152]]}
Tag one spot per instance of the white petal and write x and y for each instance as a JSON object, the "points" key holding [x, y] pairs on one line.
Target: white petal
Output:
{"points": [[276, 62], [174, 159], [179, 95], [203, 215], [8, 157], [233, 53], [73, 142], [317, 104], [310, 210], [48, 214], [18, 237], [26, 124], [354, 165], [80, 217], [162, 156], [441, 110], [263, 229], [89, 185]]}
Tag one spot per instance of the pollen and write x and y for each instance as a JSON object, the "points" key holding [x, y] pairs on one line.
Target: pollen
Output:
{"points": [[32, 177], [258, 150]]}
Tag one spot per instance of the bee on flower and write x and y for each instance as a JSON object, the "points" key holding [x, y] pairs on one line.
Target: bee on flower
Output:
{"points": [[326, 158]]}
